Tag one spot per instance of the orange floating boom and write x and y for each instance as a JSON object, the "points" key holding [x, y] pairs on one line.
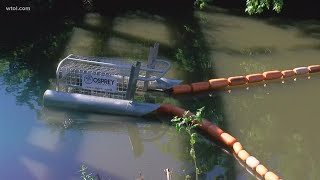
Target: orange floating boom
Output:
{"points": [[314, 68], [213, 84], [271, 75], [288, 73], [218, 134], [255, 78], [218, 83], [237, 80], [200, 86]]}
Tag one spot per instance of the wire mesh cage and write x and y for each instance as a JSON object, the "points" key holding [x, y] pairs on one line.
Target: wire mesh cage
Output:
{"points": [[106, 77]]}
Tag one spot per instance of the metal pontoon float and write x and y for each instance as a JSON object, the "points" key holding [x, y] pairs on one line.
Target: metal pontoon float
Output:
{"points": [[108, 85]]}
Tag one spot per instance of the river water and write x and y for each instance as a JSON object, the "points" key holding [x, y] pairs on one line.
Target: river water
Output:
{"points": [[276, 121]]}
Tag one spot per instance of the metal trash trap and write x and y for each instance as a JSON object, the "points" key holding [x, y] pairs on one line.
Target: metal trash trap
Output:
{"points": [[109, 77]]}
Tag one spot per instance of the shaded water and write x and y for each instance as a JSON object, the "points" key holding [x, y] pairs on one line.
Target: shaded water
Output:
{"points": [[275, 123]]}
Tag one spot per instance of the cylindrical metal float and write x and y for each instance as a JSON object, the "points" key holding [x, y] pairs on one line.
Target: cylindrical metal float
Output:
{"points": [[97, 104]]}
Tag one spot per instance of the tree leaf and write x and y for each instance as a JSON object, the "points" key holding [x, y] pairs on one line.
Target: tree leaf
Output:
{"points": [[192, 141], [192, 153], [185, 113]]}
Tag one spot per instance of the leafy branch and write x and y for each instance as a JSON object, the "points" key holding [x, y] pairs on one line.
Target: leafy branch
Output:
{"points": [[258, 6], [84, 174], [188, 124]]}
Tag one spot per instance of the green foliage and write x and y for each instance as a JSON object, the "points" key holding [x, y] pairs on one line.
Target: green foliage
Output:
{"points": [[139, 98], [188, 28], [4, 64], [200, 4], [181, 56], [188, 177], [84, 174], [192, 55], [258, 6], [187, 124]]}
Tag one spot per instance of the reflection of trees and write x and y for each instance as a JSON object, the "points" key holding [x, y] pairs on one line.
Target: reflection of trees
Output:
{"points": [[253, 66], [138, 129], [26, 71], [191, 50], [19, 80]]}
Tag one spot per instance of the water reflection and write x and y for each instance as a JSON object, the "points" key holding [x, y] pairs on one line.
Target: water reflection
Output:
{"points": [[134, 26], [137, 128], [40, 138], [19, 80], [113, 143], [37, 169]]}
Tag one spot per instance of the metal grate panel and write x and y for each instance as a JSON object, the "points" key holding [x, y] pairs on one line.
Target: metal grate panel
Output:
{"points": [[105, 77]]}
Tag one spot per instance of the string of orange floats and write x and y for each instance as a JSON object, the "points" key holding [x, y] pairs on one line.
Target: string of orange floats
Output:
{"points": [[241, 80], [225, 138]]}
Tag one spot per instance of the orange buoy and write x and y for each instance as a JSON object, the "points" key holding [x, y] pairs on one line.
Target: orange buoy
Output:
{"points": [[200, 86], [227, 139], [224, 137], [252, 162], [271, 176], [237, 80], [314, 68], [301, 70], [177, 111], [269, 75], [243, 155], [205, 124], [237, 147], [254, 78], [287, 73], [218, 83], [165, 108], [215, 131], [261, 170], [181, 89]]}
